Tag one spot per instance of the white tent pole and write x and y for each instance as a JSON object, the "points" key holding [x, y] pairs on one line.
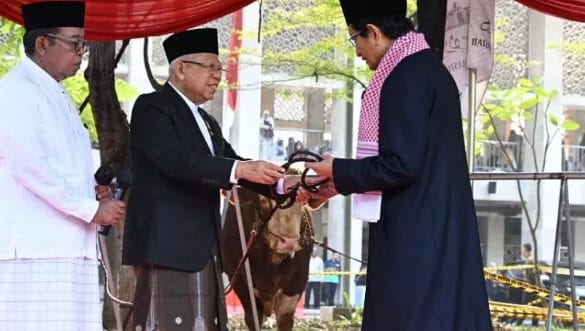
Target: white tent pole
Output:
{"points": [[255, 316], [472, 91]]}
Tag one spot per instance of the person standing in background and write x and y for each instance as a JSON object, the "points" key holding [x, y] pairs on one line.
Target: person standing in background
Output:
{"points": [[360, 287], [290, 147], [315, 280], [266, 135], [331, 282], [279, 151], [48, 251]]}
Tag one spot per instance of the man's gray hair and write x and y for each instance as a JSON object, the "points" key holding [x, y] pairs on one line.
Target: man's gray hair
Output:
{"points": [[175, 62]]}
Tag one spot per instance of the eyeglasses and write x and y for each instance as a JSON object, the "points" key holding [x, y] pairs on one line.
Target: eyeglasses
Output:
{"points": [[80, 45], [211, 68], [353, 37]]}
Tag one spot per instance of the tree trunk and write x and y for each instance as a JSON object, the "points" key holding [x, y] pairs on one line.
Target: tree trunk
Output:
{"points": [[113, 132], [430, 17]]}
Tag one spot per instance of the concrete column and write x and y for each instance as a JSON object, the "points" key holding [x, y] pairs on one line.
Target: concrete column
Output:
{"points": [[244, 132], [315, 106], [338, 225], [578, 239], [136, 72], [544, 31], [495, 233], [337, 207]]}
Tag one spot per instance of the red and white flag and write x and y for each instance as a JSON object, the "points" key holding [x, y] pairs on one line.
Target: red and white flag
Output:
{"points": [[469, 36], [233, 59]]}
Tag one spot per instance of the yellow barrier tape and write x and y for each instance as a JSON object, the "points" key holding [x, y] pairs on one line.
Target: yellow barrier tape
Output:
{"points": [[543, 268], [529, 288], [563, 271], [510, 267], [501, 309]]}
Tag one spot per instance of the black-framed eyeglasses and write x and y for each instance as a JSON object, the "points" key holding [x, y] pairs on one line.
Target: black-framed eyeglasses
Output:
{"points": [[212, 68], [352, 38], [80, 45]]}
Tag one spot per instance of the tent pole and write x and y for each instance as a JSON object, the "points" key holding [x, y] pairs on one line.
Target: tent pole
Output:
{"points": [[249, 281], [555, 262], [472, 91]]}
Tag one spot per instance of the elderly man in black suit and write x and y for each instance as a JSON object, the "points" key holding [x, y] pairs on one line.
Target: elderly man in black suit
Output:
{"points": [[180, 162]]}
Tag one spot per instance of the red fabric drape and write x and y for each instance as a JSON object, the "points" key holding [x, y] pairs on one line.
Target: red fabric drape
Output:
{"points": [[126, 19], [233, 62], [573, 10]]}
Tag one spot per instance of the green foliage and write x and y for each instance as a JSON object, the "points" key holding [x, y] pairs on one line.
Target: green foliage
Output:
{"points": [[330, 57], [570, 48], [10, 50], [77, 87], [519, 104]]}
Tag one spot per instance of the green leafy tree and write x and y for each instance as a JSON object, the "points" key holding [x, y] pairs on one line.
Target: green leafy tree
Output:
{"points": [[523, 104], [328, 57]]}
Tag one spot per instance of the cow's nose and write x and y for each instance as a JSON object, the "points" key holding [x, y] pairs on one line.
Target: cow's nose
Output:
{"points": [[288, 244]]}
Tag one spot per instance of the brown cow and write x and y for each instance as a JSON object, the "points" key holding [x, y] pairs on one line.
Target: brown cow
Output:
{"points": [[279, 258]]}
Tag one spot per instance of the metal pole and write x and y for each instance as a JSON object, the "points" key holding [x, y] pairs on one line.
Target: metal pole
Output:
{"points": [[571, 256], [553, 279], [110, 288], [471, 119], [247, 262], [226, 205], [527, 175]]}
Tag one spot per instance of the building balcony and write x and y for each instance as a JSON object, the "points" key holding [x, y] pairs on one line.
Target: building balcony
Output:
{"points": [[498, 156], [573, 158]]}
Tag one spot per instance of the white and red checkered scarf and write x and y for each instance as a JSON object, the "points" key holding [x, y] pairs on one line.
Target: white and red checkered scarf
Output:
{"points": [[367, 206]]}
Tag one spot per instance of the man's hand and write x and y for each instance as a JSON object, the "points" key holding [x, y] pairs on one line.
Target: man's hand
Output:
{"points": [[323, 168], [293, 181], [109, 212], [326, 191], [103, 192], [259, 172]]}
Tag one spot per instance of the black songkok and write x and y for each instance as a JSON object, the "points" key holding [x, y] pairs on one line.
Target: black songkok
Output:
{"points": [[356, 9], [191, 41], [53, 14]]}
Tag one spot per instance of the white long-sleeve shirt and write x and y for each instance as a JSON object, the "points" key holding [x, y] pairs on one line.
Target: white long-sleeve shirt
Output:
{"points": [[315, 265], [47, 198]]}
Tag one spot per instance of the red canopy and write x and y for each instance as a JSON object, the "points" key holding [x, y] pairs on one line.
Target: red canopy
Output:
{"points": [[125, 19], [573, 10]]}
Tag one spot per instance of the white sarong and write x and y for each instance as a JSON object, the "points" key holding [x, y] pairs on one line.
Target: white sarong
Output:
{"points": [[60, 294]]}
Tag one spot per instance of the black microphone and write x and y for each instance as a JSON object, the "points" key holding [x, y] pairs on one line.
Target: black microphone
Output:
{"points": [[124, 181], [104, 175]]}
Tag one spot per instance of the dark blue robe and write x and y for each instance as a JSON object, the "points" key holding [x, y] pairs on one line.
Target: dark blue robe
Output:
{"points": [[424, 261]]}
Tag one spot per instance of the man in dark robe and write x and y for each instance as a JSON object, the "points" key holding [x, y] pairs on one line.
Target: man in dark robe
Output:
{"points": [[410, 179]]}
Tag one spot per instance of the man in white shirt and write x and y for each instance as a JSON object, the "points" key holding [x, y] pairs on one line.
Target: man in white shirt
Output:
{"points": [[49, 215], [315, 281]]}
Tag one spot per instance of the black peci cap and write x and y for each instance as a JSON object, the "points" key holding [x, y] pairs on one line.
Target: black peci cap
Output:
{"points": [[356, 9], [191, 41], [53, 14]]}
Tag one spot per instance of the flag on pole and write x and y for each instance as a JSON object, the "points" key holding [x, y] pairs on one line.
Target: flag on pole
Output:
{"points": [[233, 59], [469, 27]]}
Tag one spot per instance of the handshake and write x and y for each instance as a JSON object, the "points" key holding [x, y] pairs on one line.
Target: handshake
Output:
{"points": [[268, 173]]}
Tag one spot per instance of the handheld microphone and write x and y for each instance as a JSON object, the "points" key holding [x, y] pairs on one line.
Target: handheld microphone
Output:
{"points": [[104, 175], [124, 181]]}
